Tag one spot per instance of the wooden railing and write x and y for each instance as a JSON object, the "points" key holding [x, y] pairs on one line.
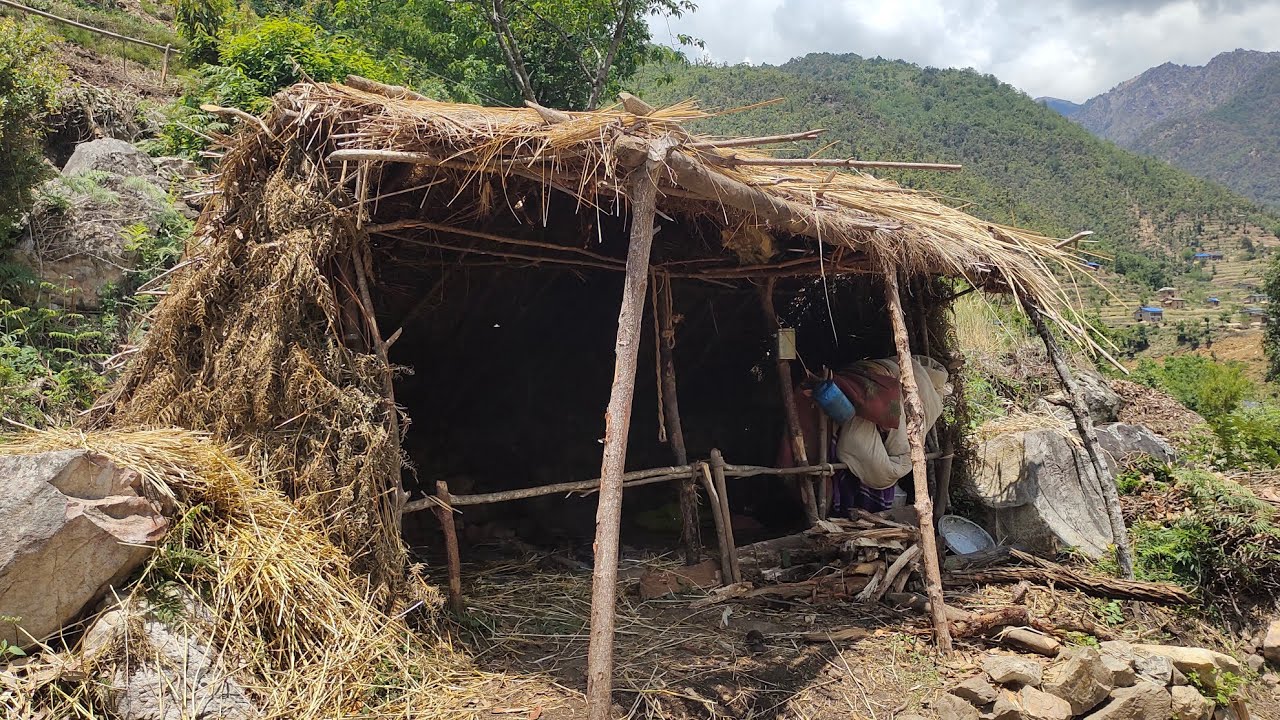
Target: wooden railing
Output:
{"points": [[167, 49]]}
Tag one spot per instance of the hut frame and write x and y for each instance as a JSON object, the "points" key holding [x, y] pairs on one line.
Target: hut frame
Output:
{"points": [[300, 196]]}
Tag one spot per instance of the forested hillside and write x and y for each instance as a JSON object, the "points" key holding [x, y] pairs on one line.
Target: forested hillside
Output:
{"points": [[1024, 163]]}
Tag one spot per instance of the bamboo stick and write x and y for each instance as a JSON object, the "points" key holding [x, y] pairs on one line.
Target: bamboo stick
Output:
{"points": [[827, 162], [915, 436], [717, 517], [604, 580], [444, 510], [467, 232], [755, 141], [1084, 424], [671, 414], [722, 488], [800, 453]]}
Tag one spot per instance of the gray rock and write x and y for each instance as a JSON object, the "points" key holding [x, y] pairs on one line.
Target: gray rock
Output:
{"points": [[1155, 668], [174, 674], [1143, 701], [1255, 662], [1102, 402], [1271, 643], [953, 708], [1012, 670], [1124, 442], [1006, 707], [74, 526], [1208, 665], [112, 156], [1081, 679], [1031, 704], [976, 690], [1189, 704], [1122, 672]]}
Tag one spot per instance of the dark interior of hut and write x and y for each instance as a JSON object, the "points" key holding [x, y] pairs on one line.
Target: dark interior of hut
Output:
{"points": [[506, 366]]}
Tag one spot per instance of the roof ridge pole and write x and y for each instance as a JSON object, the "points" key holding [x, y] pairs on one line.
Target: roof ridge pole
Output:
{"points": [[919, 468], [1084, 424], [643, 191]]}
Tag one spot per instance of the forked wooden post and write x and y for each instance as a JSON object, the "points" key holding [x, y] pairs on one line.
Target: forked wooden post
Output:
{"points": [[604, 581], [800, 454], [722, 489], [444, 510], [920, 472], [1084, 424], [671, 413]]}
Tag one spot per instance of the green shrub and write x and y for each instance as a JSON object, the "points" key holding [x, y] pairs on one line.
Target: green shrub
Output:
{"points": [[1250, 436], [199, 22], [49, 363], [29, 77], [1210, 388], [279, 51]]}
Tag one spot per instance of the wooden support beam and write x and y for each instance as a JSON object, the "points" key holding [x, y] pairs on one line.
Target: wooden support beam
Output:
{"points": [[549, 116], [665, 311], [395, 92], [915, 435], [717, 517], [635, 105], [828, 162], [643, 186], [1078, 236], [755, 141], [824, 451], [1084, 424], [722, 489], [444, 511], [787, 392]]}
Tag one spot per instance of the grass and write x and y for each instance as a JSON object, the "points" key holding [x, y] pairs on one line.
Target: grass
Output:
{"points": [[116, 21]]}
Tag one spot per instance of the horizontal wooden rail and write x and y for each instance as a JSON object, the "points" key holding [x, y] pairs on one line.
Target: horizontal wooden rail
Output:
{"points": [[634, 478], [82, 26]]}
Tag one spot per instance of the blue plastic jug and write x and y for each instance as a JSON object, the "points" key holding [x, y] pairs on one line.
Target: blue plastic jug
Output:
{"points": [[833, 401]]}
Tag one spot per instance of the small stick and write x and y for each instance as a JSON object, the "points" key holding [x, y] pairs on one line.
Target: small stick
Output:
{"points": [[755, 141], [731, 548], [825, 162], [445, 512], [717, 517], [164, 67]]}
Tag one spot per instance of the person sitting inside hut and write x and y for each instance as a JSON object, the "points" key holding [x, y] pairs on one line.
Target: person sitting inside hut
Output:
{"points": [[869, 428]]}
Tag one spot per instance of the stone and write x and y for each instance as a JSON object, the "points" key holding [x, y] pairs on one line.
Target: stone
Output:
{"points": [[74, 526], [1143, 701], [1006, 707], [658, 583], [1123, 443], [1122, 672], [1038, 705], [976, 690], [1155, 668], [109, 155], [174, 674], [953, 708], [1102, 402], [1037, 489], [1208, 665], [1177, 678], [1271, 643], [1081, 679], [1012, 670], [1255, 662], [1189, 704]]}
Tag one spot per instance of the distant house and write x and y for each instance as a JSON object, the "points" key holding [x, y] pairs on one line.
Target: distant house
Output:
{"points": [[1175, 303], [1207, 256], [1149, 314], [1259, 298], [1165, 293], [1212, 302], [1255, 312]]}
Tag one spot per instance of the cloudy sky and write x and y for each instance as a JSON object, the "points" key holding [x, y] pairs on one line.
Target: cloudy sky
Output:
{"points": [[1072, 49]]}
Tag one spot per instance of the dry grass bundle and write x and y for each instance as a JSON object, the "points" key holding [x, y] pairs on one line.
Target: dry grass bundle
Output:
{"points": [[283, 604], [1021, 421]]}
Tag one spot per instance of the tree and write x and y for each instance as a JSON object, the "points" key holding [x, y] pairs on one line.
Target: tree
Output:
{"points": [[1271, 332]]}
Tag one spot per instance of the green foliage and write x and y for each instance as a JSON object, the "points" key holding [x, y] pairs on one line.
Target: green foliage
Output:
{"points": [[1225, 687], [279, 51], [29, 77], [1210, 388], [49, 362], [1250, 436], [1271, 333], [199, 22]]}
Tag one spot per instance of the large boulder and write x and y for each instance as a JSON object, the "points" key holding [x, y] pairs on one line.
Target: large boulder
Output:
{"points": [[1208, 665], [1102, 402], [109, 155], [1123, 442], [173, 673], [1189, 704], [1271, 643], [1037, 488], [1081, 679], [1144, 701], [74, 525]]}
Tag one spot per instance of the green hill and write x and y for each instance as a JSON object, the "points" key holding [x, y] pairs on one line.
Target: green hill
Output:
{"points": [[1024, 163]]}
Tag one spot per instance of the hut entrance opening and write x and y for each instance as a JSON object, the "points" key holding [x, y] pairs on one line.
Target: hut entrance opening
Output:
{"points": [[508, 370]]}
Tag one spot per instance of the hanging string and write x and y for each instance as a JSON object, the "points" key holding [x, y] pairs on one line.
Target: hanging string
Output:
{"points": [[657, 352], [822, 270]]}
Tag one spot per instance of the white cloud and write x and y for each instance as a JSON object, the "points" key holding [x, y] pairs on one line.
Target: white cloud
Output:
{"points": [[1073, 49]]}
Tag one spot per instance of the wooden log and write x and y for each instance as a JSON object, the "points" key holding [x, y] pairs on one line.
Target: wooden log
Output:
{"points": [[445, 512], [642, 185], [717, 473], [548, 115], [755, 141], [1023, 638], [915, 436], [799, 452], [718, 518], [635, 105], [1084, 424], [395, 92], [164, 65], [900, 566], [671, 414], [1049, 573]]}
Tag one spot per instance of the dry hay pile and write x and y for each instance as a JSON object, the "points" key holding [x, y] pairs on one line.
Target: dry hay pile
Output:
{"points": [[287, 612], [1159, 411]]}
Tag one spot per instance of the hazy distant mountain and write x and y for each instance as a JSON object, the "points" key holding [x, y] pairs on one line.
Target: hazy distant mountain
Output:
{"points": [[1062, 107], [1220, 121]]}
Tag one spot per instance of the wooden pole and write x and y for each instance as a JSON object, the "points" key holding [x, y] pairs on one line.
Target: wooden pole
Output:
{"points": [[731, 547], [915, 436], [164, 67], [717, 516], [604, 581], [1084, 424], [671, 413], [444, 510], [800, 453], [824, 452]]}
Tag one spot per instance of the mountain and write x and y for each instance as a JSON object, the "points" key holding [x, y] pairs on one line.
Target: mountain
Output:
{"points": [[1220, 121], [1065, 108]]}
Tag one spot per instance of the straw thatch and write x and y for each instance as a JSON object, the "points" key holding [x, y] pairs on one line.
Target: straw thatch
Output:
{"points": [[268, 335]]}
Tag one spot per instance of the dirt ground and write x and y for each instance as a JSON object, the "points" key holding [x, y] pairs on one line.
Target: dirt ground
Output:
{"points": [[528, 625]]}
